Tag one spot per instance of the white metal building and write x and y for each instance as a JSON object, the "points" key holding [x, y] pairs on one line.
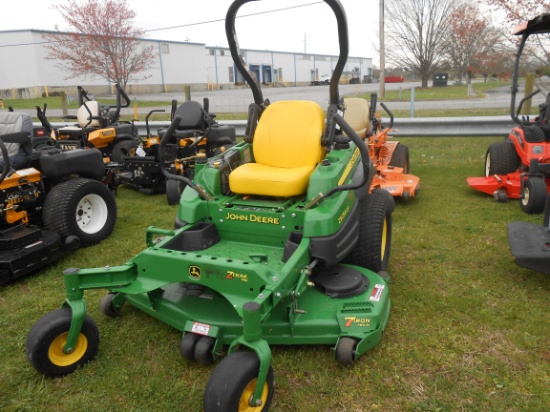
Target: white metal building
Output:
{"points": [[24, 72]]}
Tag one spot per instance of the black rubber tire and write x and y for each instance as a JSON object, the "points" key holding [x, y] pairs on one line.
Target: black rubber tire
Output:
{"points": [[187, 345], [47, 337], [533, 196], [107, 307], [373, 248], [546, 219], [345, 351], [501, 158], [232, 382], [400, 157], [122, 149], [81, 207], [203, 350], [174, 189]]}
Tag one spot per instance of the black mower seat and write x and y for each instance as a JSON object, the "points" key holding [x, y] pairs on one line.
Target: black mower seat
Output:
{"points": [[287, 147], [16, 132]]}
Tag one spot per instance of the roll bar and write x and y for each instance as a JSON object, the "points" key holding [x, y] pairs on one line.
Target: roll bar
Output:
{"points": [[343, 40]]}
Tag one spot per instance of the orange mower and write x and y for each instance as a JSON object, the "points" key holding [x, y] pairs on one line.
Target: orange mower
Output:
{"points": [[390, 158]]}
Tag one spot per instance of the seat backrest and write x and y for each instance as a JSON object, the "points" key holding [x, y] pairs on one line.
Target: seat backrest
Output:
{"points": [[191, 114], [289, 133], [82, 115], [357, 115], [14, 122]]}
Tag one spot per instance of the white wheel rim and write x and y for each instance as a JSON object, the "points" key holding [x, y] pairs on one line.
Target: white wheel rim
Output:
{"points": [[525, 199], [487, 165], [91, 213]]}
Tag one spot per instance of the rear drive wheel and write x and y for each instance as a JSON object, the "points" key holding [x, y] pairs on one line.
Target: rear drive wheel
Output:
{"points": [[533, 195], [47, 338], [81, 207], [233, 382], [400, 158], [372, 250], [501, 158]]}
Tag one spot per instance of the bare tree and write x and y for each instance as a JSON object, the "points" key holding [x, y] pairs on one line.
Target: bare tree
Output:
{"points": [[415, 34], [538, 48], [471, 36], [101, 41]]}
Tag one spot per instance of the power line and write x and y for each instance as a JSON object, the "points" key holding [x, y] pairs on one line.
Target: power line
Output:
{"points": [[184, 25]]}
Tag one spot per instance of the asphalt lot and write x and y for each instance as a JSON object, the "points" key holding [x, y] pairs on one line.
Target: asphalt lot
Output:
{"points": [[238, 100]]}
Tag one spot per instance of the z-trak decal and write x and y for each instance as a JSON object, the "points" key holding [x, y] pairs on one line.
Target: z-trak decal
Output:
{"points": [[233, 275]]}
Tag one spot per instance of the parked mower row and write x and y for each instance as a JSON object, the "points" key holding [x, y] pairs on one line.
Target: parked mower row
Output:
{"points": [[282, 238]]}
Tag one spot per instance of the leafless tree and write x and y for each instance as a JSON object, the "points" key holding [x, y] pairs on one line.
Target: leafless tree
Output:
{"points": [[415, 34]]}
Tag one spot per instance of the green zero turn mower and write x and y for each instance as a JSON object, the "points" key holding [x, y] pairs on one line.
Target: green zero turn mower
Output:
{"points": [[276, 242]]}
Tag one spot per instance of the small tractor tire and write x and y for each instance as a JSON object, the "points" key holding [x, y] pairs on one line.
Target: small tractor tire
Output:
{"points": [[187, 345], [501, 158], [174, 189], [400, 158], [533, 196], [345, 351], [203, 350], [372, 250], [107, 306], [233, 382], [81, 207], [47, 338]]}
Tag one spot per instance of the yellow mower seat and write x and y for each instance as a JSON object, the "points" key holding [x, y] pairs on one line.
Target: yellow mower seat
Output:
{"points": [[357, 115], [286, 147]]}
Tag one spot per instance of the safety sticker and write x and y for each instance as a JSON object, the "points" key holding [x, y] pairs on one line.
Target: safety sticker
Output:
{"points": [[377, 293], [200, 328]]}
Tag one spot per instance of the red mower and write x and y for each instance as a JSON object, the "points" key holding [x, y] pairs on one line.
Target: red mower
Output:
{"points": [[519, 167]]}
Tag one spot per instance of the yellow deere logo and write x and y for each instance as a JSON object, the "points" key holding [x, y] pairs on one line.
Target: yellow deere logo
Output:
{"points": [[194, 272]]}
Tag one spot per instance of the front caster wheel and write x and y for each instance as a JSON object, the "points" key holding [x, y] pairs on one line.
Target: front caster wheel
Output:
{"points": [[47, 338], [233, 382]]}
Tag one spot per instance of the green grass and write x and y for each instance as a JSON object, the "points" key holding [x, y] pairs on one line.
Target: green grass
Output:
{"points": [[468, 329], [439, 93]]}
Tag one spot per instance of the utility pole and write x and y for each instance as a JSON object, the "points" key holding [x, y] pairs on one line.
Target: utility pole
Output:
{"points": [[382, 90]]}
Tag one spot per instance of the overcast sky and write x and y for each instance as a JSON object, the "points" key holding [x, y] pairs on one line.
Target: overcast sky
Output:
{"points": [[282, 30]]}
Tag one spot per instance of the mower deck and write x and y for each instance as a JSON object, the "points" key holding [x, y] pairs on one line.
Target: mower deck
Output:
{"points": [[396, 182], [319, 319], [24, 249], [530, 244], [510, 184]]}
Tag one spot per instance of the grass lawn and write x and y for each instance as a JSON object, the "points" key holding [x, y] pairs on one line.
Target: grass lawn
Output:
{"points": [[439, 93], [468, 329]]}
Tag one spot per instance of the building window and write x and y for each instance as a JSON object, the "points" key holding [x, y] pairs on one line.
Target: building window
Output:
{"points": [[165, 48], [222, 52], [212, 52], [231, 75]]}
